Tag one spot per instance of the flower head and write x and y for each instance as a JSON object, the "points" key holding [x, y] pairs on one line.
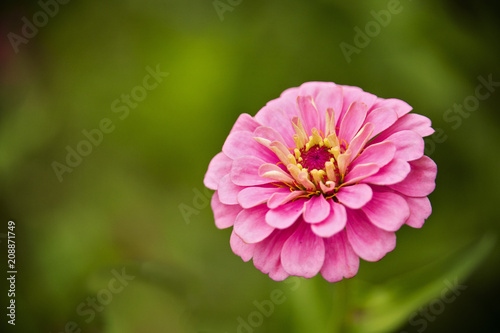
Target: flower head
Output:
{"points": [[320, 177]]}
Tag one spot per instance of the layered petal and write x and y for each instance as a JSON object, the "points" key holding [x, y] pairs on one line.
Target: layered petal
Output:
{"points": [[278, 120], [334, 223], [360, 172], [224, 215], [412, 122], [355, 94], [251, 225], [228, 191], [340, 259], [308, 113], [355, 196], [368, 241], [219, 166], [245, 123], [352, 121], [240, 144], [245, 172], [397, 105], [316, 209], [392, 173], [409, 145], [387, 210], [381, 118], [420, 210], [267, 254], [285, 215], [239, 247], [303, 253], [253, 196], [421, 180], [380, 154], [331, 97]]}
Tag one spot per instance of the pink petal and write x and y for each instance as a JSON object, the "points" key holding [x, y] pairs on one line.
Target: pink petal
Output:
{"points": [[313, 88], [355, 94], [392, 173], [285, 215], [253, 196], [251, 224], [308, 113], [272, 171], [316, 209], [267, 255], [239, 144], [368, 241], [387, 210], [333, 224], [380, 154], [228, 192], [303, 253], [224, 215], [219, 166], [355, 196], [240, 248], [281, 198], [278, 120], [340, 259], [360, 140], [381, 118], [329, 98], [245, 122], [287, 102], [409, 145], [360, 172], [352, 121], [420, 210], [420, 182], [245, 171], [268, 133], [399, 106], [413, 122]]}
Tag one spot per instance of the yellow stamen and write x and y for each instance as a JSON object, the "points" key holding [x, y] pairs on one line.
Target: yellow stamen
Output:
{"points": [[333, 139], [317, 176], [297, 153], [298, 141], [342, 162], [330, 122], [299, 129], [335, 151], [316, 138], [330, 170], [304, 180]]}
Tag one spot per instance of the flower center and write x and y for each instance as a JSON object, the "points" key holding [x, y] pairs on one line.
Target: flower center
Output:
{"points": [[315, 157], [318, 162]]}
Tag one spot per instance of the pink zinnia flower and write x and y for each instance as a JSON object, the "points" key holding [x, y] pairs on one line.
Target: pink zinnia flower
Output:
{"points": [[320, 177]]}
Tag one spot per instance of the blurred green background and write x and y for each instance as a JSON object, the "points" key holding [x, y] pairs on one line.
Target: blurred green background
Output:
{"points": [[136, 204]]}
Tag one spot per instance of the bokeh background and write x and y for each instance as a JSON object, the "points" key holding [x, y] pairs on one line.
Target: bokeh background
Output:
{"points": [[136, 203]]}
